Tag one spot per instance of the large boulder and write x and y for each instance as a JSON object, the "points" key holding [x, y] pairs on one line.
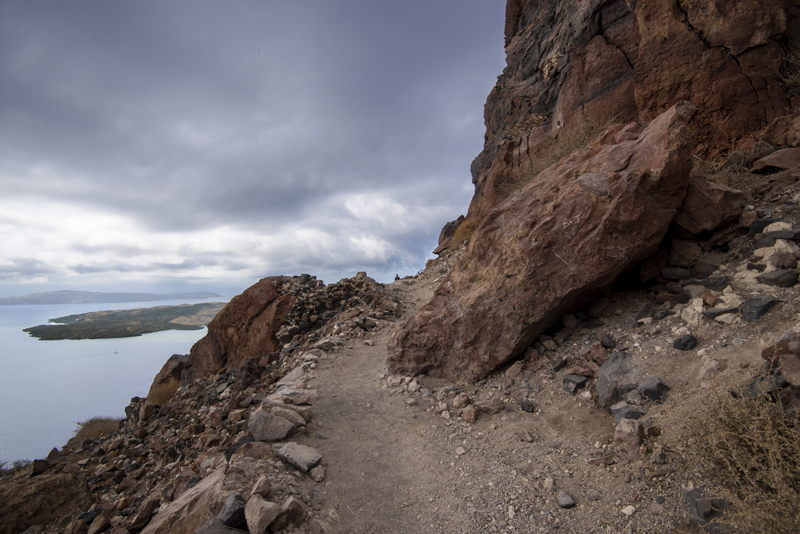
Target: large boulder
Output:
{"points": [[576, 66], [206, 499], [244, 329], [549, 248], [708, 205]]}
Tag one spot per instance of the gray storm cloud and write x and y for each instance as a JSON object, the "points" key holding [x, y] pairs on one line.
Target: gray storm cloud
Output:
{"points": [[219, 142]]}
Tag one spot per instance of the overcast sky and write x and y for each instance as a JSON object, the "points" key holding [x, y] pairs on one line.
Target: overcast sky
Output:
{"points": [[171, 145]]}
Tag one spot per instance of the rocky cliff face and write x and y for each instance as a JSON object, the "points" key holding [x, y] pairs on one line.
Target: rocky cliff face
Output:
{"points": [[578, 182], [578, 66]]}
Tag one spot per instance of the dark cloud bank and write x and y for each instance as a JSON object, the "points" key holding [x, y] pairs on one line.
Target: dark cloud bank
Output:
{"points": [[166, 144]]}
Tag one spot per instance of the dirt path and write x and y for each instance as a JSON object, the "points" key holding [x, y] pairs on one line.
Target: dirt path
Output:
{"points": [[383, 472], [397, 464]]}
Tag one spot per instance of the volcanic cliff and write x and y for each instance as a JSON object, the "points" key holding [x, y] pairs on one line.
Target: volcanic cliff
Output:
{"points": [[586, 175]]}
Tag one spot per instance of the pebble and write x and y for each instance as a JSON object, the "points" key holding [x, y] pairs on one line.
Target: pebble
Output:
{"points": [[628, 510], [687, 342], [461, 451], [564, 500]]}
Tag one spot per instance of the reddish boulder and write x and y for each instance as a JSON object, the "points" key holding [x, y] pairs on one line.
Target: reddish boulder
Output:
{"points": [[708, 205], [244, 329], [547, 249], [573, 67]]}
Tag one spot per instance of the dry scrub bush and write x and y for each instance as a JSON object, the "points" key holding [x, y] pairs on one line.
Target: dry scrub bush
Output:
{"points": [[733, 168], [750, 450], [162, 392], [791, 68], [464, 231], [94, 428]]}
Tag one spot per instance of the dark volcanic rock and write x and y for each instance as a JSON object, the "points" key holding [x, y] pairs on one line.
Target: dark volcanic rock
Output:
{"points": [[780, 278], [547, 250], [687, 342], [617, 377], [755, 308]]}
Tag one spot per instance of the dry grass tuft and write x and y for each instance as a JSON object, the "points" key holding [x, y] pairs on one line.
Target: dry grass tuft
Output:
{"points": [[733, 168], [750, 449], [464, 231], [162, 392], [791, 69], [94, 428]]}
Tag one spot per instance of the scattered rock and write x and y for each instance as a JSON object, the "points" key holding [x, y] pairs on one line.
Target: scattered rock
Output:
{"points": [[653, 389], [268, 427], [573, 383], [260, 514], [687, 342], [300, 456], [232, 513], [469, 415], [628, 437], [705, 512], [564, 500], [780, 278], [755, 308], [628, 510], [616, 378]]}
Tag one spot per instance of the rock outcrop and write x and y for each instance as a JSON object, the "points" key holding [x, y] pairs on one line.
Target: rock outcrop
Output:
{"points": [[574, 67], [244, 329], [548, 248]]}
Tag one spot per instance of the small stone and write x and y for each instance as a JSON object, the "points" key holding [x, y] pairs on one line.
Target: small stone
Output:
{"points": [[527, 406], [653, 389], [687, 342], [617, 377], [621, 411], [573, 383], [759, 224], [628, 510], [232, 513], [38, 467], [469, 415], [492, 406], [628, 436], [267, 427], [461, 451], [317, 474], [792, 235], [608, 342], [292, 511], [658, 456], [300, 456], [549, 484], [262, 486], [564, 500], [260, 513], [713, 313], [755, 308], [779, 278]]}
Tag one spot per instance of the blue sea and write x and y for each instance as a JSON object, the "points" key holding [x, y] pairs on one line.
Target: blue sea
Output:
{"points": [[49, 386]]}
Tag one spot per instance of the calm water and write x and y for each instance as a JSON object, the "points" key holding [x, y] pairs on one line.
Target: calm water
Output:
{"points": [[48, 386]]}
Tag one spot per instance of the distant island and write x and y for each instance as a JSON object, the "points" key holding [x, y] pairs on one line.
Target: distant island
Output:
{"points": [[83, 297], [127, 323]]}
